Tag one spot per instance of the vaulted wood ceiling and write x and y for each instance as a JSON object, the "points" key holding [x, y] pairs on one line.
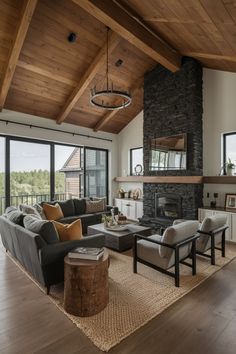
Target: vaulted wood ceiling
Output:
{"points": [[43, 74]]}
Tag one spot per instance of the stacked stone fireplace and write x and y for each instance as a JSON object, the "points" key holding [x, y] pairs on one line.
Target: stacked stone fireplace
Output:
{"points": [[173, 105]]}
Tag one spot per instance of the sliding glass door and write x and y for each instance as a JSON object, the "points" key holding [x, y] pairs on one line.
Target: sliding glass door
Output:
{"points": [[96, 171], [2, 175], [32, 171], [29, 172]]}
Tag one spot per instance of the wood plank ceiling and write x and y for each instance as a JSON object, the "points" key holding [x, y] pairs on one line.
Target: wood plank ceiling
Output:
{"points": [[44, 75]]}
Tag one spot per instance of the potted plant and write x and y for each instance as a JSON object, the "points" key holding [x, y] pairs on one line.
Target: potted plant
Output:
{"points": [[229, 167]]}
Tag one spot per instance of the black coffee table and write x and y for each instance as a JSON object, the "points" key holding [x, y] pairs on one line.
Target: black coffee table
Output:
{"points": [[120, 240]]}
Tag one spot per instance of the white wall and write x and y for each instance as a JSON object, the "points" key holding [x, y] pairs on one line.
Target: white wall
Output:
{"points": [[130, 137], [62, 137], [219, 116]]}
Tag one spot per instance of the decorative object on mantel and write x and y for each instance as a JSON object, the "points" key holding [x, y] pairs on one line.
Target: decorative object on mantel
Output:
{"points": [[138, 169], [230, 201], [108, 98]]}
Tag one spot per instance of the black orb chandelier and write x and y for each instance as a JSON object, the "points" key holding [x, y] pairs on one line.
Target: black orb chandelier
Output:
{"points": [[108, 97]]}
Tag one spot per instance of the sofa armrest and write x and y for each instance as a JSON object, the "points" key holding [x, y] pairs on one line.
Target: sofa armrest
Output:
{"points": [[52, 253]]}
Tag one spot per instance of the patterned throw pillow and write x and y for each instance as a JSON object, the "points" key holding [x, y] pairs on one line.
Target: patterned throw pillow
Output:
{"points": [[104, 199], [28, 209], [39, 209], [93, 206], [52, 212], [69, 232]]}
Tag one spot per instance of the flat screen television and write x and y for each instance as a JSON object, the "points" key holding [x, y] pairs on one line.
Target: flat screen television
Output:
{"points": [[168, 153]]}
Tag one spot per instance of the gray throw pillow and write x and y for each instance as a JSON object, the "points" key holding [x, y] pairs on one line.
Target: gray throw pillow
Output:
{"points": [[28, 209], [45, 229], [39, 209]]}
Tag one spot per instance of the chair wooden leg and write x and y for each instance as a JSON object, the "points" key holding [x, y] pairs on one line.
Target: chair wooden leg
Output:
{"points": [[213, 257], [223, 244], [177, 267]]}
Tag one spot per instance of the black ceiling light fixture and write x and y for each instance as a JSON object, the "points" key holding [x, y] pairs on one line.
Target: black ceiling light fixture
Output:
{"points": [[107, 97], [72, 37]]}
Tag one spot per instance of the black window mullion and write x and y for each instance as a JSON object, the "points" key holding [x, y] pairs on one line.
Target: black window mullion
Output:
{"points": [[7, 173], [52, 171]]}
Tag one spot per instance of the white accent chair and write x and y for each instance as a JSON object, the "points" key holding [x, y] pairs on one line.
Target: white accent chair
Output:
{"points": [[212, 233], [169, 250]]}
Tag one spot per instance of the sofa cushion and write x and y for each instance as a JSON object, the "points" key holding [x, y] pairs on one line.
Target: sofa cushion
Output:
{"points": [[80, 206], [15, 216], [28, 209], [68, 219], [44, 228], [67, 207], [52, 212], [68, 232], [94, 206]]}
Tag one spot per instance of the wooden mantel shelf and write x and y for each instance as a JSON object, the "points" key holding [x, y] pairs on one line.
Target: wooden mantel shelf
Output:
{"points": [[161, 179], [178, 179]]}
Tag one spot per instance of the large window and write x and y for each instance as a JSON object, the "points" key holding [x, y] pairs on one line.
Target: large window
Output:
{"points": [[96, 172], [136, 158], [2, 175], [68, 171], [29, 172], [32, 171], [229, 148]]}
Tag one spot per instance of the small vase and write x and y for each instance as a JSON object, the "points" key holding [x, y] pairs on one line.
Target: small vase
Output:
{"points": [[230, 171]]}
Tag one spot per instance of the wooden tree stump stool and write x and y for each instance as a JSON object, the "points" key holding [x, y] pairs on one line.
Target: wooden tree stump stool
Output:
{"points": [[86, 291]]}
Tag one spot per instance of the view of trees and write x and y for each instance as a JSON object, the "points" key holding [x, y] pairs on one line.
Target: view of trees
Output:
{"points": [[33, 182]]}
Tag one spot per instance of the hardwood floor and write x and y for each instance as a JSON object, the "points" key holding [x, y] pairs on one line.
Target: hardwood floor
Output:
{"points": [[203, 321]]}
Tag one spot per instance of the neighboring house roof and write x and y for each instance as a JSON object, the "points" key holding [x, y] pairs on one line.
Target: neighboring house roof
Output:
{"points": [[72, 164]]}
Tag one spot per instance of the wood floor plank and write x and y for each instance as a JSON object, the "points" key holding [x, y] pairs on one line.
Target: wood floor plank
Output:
{"points": [[203, 321]]}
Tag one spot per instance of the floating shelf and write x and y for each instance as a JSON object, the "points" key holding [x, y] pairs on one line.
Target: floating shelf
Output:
{"points": [[178, 179], [161, 179]]}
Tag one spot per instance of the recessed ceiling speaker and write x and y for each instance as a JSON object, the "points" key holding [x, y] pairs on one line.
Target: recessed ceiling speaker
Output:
{"points": [[72, 37]]}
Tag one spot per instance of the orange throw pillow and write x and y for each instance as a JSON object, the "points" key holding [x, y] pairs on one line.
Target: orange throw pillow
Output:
{"points": [[52, 212], [68, 232]]}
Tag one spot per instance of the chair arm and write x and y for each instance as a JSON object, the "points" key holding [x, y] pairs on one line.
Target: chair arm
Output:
{"points": [[137, 236], [173, 246], [214, 232]]}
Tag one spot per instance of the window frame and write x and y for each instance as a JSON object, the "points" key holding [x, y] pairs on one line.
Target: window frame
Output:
{"points": [[52, 144], [131, 159], [224, 149]]}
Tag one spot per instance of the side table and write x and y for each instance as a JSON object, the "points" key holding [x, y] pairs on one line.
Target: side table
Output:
{"points": [[86, 291]]}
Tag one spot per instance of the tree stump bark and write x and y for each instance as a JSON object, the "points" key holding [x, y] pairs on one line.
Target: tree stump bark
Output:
{"points": [[86, 291]]}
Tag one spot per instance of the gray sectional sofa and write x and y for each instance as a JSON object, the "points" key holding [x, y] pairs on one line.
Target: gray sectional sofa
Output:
{"points": [[41, 253]]}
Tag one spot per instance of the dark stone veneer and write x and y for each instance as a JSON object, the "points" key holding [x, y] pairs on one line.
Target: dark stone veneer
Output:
{"points": [[173, 105]]}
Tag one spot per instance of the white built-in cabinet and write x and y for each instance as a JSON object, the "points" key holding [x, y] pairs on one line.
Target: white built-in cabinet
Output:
{"points": [[132, 209], [231, 221]]}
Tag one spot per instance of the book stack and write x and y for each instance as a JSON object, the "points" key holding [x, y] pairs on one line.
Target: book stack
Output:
{"points": [[89, 253]]}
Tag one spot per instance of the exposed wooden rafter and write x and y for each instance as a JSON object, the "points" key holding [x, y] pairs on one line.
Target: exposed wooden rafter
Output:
{"points": [[119, 21], [21, 31], [110, 114], [88, 76]]}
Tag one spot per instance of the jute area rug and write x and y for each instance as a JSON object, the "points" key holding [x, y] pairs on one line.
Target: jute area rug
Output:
{"points": [[135, 298]]}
